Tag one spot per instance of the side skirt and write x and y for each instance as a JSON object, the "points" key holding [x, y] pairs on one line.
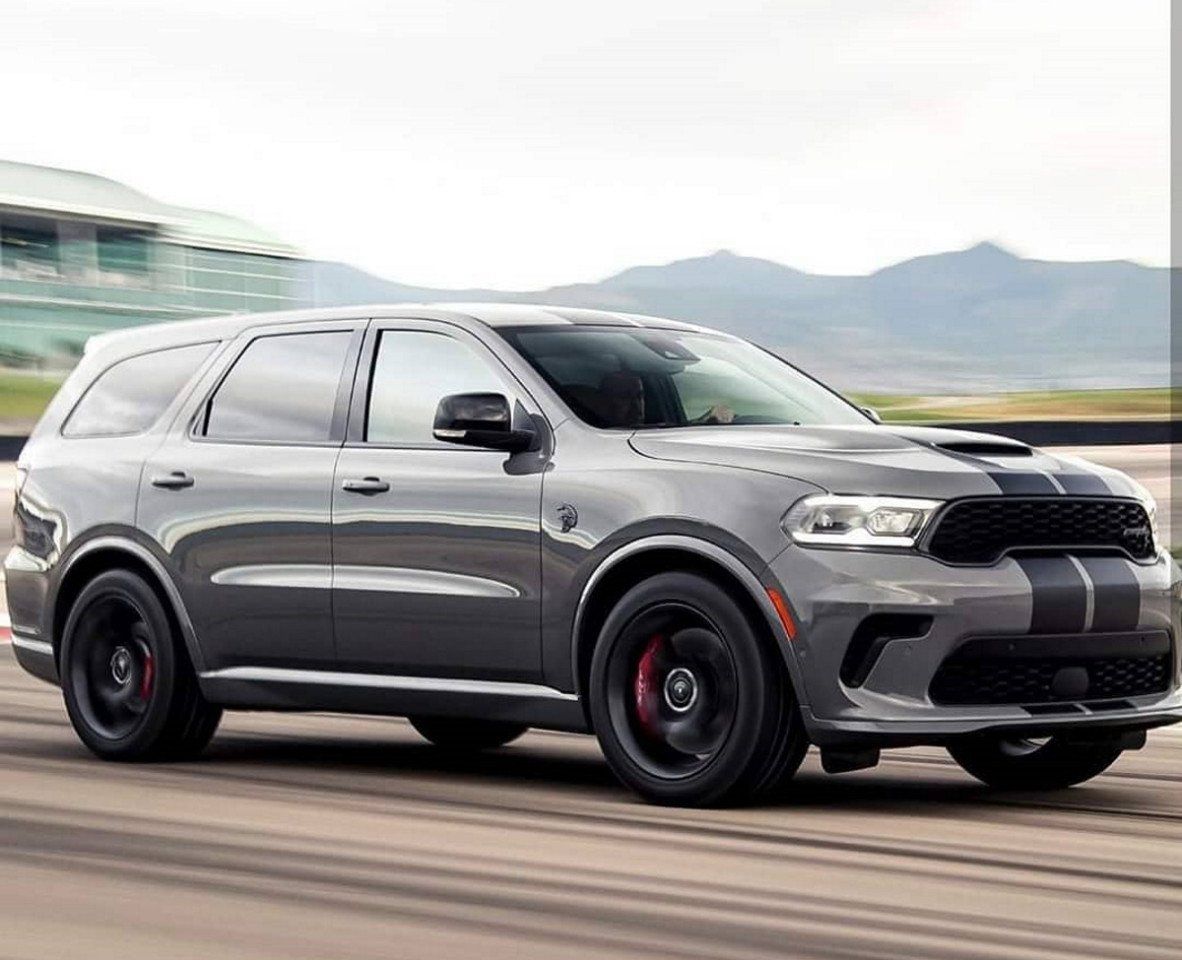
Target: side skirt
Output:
{"points": [[274, 688]]}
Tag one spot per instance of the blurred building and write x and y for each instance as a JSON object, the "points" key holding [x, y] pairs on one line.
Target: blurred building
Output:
{"points": [[80, 254]]}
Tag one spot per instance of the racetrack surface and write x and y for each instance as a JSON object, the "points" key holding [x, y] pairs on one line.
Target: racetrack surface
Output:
{"points": [[316, 836]]}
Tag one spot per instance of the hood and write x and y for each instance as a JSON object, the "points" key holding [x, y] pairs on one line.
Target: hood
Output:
{"points": [[887, 460]]}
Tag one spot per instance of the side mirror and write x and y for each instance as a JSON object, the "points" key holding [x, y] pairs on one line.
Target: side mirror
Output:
{"points": [[480, 420], [872, 414]]}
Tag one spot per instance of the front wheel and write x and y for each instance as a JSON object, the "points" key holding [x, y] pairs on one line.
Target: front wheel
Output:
{"points": [[1051, 763], [692, 707], [129, 688]]}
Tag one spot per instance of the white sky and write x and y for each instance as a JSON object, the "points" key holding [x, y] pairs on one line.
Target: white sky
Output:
{"points": [[523, 144]]}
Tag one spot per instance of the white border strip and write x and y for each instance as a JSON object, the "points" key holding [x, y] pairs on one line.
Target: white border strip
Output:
{"points": [[385, 682], [35, 646], [1090, 588]]}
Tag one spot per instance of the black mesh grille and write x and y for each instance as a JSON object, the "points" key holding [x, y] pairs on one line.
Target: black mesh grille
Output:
{"points": [[980, 531], [990, 681]]}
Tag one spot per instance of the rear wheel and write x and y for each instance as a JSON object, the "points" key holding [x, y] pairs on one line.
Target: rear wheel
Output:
{"points": [[129, 688], [455, 733], [690, 705], [1051, 763]]}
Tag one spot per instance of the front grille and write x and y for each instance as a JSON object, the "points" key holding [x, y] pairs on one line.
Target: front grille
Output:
{"points": [[981, 531], [1039, 670]]}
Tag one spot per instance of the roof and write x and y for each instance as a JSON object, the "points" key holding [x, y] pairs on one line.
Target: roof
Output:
{"points": [[26, 186], [528, 314], [176, 332]]}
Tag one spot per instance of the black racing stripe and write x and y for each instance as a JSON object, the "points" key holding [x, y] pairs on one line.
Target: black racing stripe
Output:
{"points": [[1116, 601], [1017, 482], [1083, 484], [1008, 480], [1080, 481], [1060, 596]]}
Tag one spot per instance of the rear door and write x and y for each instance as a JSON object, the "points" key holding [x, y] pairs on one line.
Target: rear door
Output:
{"points": [[436, 549], [239, 496]]}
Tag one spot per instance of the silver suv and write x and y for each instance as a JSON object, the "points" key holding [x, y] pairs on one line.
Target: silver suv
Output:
{"points": [[487, 518]]}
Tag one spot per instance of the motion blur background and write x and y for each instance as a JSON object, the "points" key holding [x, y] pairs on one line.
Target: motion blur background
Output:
{"points": [[935, 201], [953, 210]]}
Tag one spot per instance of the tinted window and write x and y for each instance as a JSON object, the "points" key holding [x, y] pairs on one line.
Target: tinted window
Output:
{"points": [[412, 373], [130, 396], [282, 388], [635, 379]]}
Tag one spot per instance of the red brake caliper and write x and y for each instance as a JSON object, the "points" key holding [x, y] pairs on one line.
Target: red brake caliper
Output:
{"points": [[646, 686], [148, 677]]}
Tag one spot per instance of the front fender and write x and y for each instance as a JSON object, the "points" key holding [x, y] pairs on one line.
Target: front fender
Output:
{"points": [[751, 577]]}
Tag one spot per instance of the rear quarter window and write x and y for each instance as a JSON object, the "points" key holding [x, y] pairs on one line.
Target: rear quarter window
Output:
{"points": [[129, 397]]}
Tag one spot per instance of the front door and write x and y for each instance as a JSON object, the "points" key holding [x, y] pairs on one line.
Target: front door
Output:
{"points": [[239, 497], [436, 563]]}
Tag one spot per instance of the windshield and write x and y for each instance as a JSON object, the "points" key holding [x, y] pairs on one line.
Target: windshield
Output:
{"points": [[638, 378]]}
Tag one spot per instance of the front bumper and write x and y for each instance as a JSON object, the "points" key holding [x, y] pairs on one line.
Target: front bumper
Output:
{"points": [[832, 591]]}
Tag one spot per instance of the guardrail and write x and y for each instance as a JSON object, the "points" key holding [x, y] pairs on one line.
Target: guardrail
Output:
{"points": [[1039, 433]]}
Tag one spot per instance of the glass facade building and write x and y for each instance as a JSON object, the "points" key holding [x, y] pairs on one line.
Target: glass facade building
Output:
{"points": [[80, 254]]}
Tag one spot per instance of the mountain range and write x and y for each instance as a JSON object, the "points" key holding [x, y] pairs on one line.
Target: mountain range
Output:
{"points": [[980, 319]]}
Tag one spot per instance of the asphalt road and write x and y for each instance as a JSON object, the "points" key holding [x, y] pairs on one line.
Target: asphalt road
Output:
{"points": [[331, 837]]}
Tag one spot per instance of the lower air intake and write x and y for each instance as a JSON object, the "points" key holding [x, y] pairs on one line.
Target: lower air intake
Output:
{"points": [[1038, 670]]}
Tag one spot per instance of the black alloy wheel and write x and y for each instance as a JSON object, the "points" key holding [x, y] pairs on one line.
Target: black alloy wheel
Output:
{"points": [[114, 673], [129, 687], [674, 694], [691, 702]]}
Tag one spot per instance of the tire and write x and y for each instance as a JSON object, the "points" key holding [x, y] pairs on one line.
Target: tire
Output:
{"points": [[461, 734], [129, 687], [1033, 765], [692, 707]]}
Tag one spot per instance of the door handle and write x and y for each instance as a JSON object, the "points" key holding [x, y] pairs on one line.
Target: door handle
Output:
{"points": [[367, 485], [177, 480]]}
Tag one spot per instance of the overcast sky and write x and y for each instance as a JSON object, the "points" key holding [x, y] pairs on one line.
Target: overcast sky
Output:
{"points": [[523, 144]]}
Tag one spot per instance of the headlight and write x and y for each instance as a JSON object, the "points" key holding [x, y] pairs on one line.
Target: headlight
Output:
{"points": [[858, 521]]}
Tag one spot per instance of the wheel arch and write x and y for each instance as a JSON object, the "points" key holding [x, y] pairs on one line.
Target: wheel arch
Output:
{"points": [[119, 553], [630, 563]]}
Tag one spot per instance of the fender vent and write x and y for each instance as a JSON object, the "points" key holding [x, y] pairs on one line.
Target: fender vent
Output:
{"points": [[870, 639]]}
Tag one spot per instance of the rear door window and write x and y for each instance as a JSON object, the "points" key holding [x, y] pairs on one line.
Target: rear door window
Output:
{"points": [[128, 397], [283, 388]]}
